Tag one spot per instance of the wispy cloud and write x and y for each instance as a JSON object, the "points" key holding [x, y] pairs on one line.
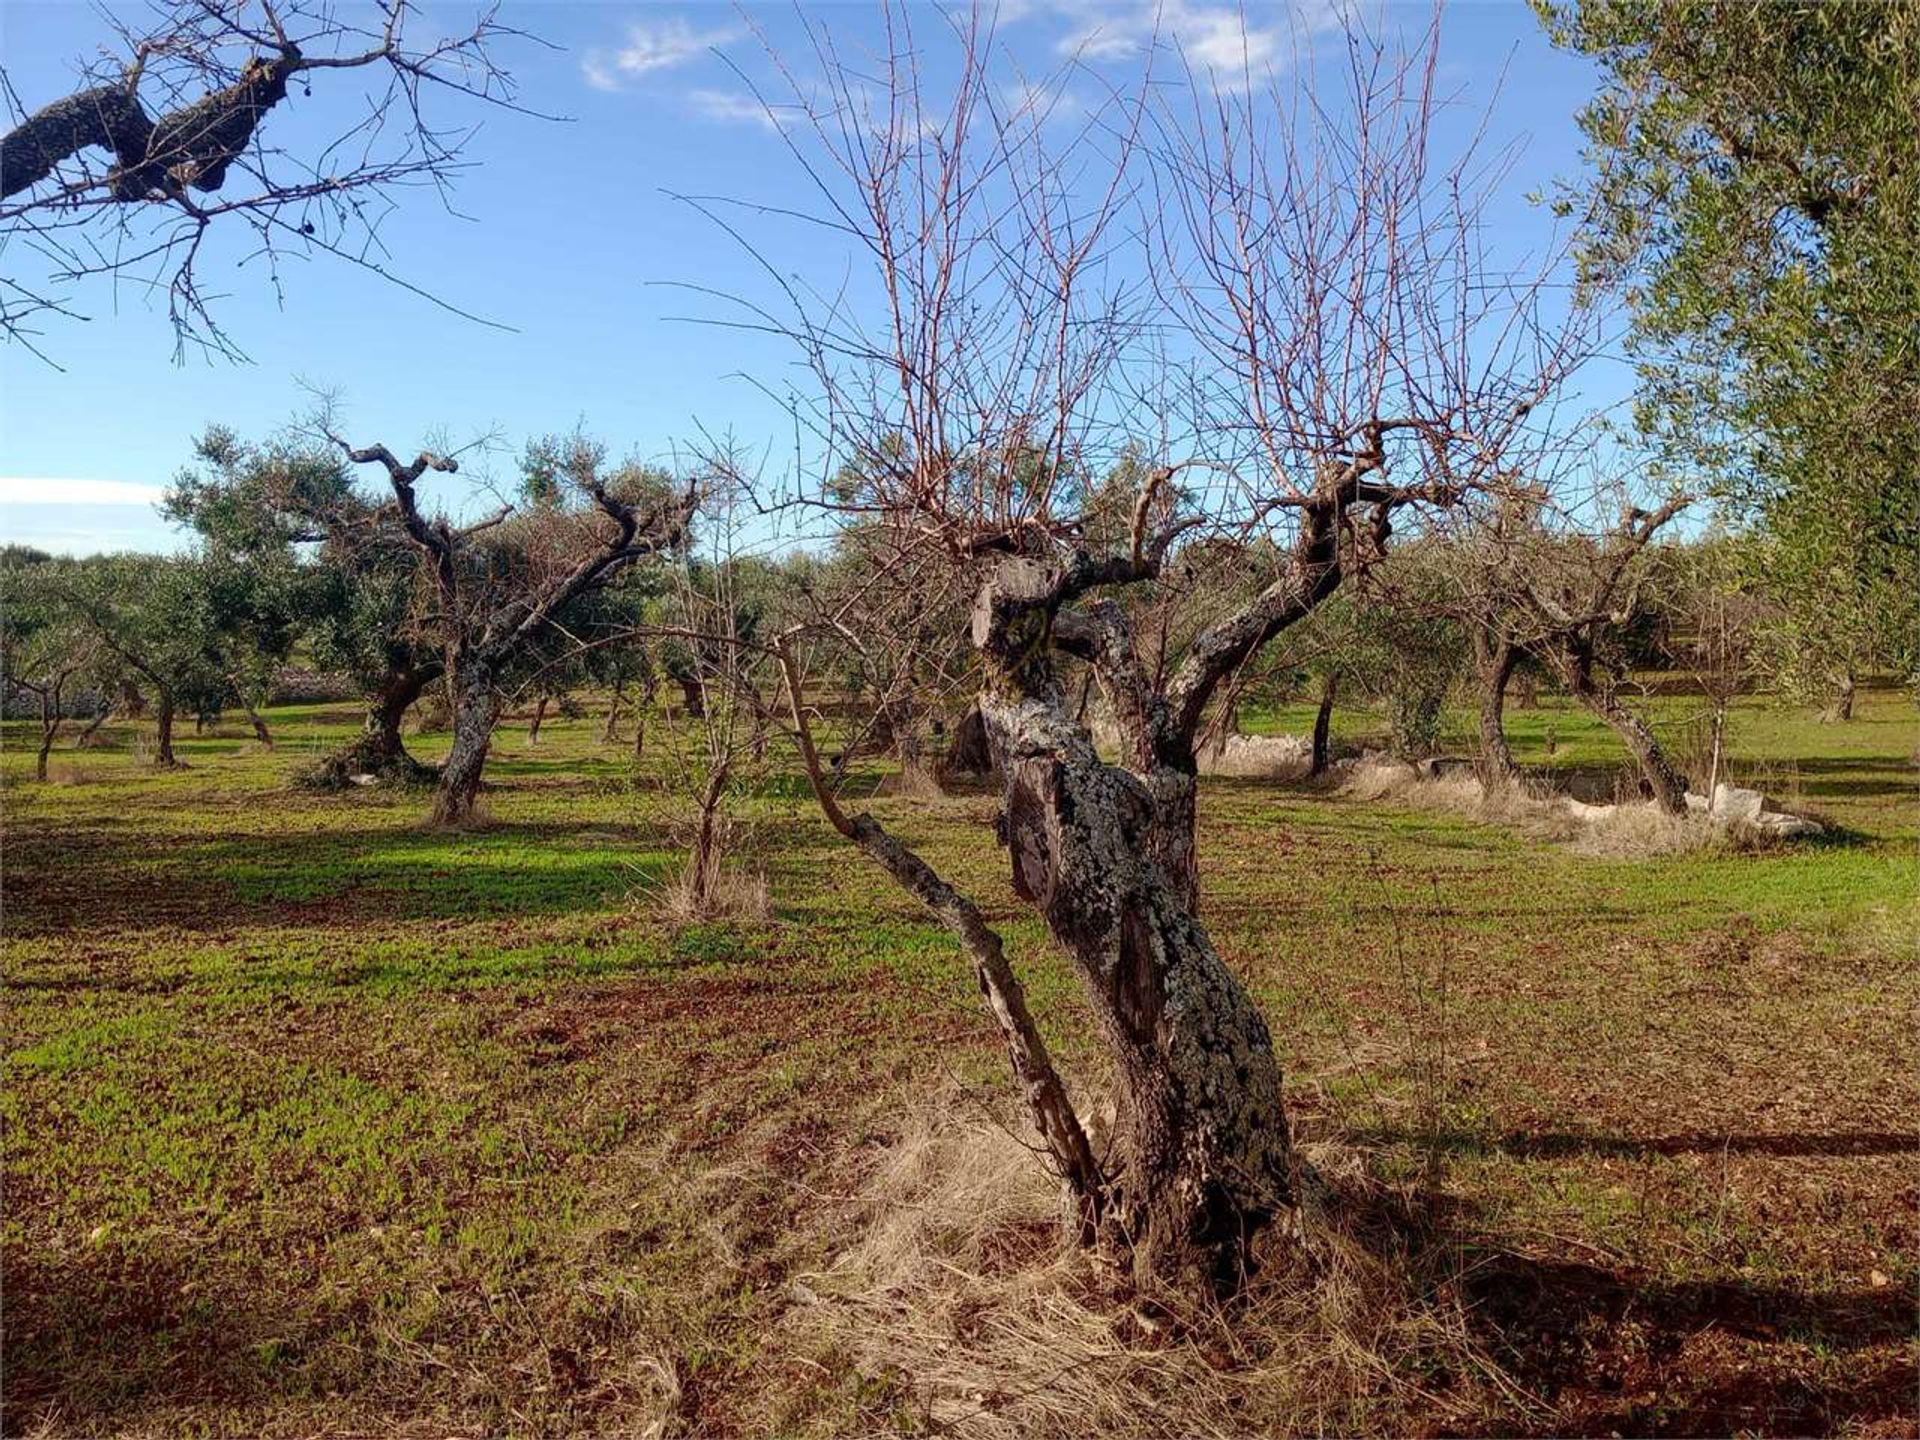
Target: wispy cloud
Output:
{"points": [[56, 490], [732, 107], [1229, 44], [651, 46]]}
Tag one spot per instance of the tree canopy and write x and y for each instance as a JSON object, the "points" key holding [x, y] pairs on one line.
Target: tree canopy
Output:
{"points": [[1755, 186]]}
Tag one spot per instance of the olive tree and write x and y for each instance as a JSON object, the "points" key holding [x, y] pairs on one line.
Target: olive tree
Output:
{"points": [[45, 646], [500, 584], [1754, 180], [1568, 596], [154, 614], [289, 509], [1354, 366]]}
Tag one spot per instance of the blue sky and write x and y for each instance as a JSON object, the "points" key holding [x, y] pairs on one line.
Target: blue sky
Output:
{"points": [[569, 237]]}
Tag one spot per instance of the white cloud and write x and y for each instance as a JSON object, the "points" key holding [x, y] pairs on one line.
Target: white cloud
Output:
{"points": [[56, 490], [732, 107], [1230, 44], [651, 46]]}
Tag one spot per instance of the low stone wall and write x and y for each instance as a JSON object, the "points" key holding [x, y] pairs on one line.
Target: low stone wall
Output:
{"points": [[297, 685], [1259, 757]]}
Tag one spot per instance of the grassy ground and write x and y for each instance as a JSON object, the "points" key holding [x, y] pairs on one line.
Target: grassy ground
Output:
{"points": [[321, 1123]]}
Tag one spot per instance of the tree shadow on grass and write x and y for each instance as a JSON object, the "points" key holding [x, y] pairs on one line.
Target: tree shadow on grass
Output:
{"points": [[1553, 1144], [105, 1336], [1851, 778], [1620, 1353], [341, 879], [1595, 1349]]}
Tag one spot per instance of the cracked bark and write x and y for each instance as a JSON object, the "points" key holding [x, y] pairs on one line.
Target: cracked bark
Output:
{"points": [[191, 146], [1159, 724], [1200, 1160], [476, 710]]}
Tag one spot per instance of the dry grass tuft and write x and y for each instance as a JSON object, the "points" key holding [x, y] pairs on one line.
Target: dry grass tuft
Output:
{"points": [[959, 1289], [66, 773], [1630, 830], [731, 894]]}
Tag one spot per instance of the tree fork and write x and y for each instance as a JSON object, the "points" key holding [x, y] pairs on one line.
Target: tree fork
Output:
{"points": [[1203, 1155]]}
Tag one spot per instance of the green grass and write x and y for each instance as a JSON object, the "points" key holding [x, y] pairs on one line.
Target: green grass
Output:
{"points": [[318, 1121]]}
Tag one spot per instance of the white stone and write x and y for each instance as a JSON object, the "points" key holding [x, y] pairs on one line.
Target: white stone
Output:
{"points": [[1786, 826], [1730, 802]]}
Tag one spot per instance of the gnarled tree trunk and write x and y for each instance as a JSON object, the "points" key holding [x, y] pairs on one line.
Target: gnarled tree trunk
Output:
{"points": [[380, 749], [476, 710], [380, 738], [971, 750], [1839, 707], [1200, 1158], [1669, 790], [1323, 724], [1494, 660], [193, 145], [163, 734]]}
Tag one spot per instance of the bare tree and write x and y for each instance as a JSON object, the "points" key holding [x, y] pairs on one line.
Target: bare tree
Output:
{"points": [[498, 587], [1722, 622], [1348, 358], [167, 139], [1477, 572], [715, 614], [1565, 598]]}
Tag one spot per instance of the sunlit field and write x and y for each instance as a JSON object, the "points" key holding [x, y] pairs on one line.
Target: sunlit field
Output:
{"points": [[320, 1120]]}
